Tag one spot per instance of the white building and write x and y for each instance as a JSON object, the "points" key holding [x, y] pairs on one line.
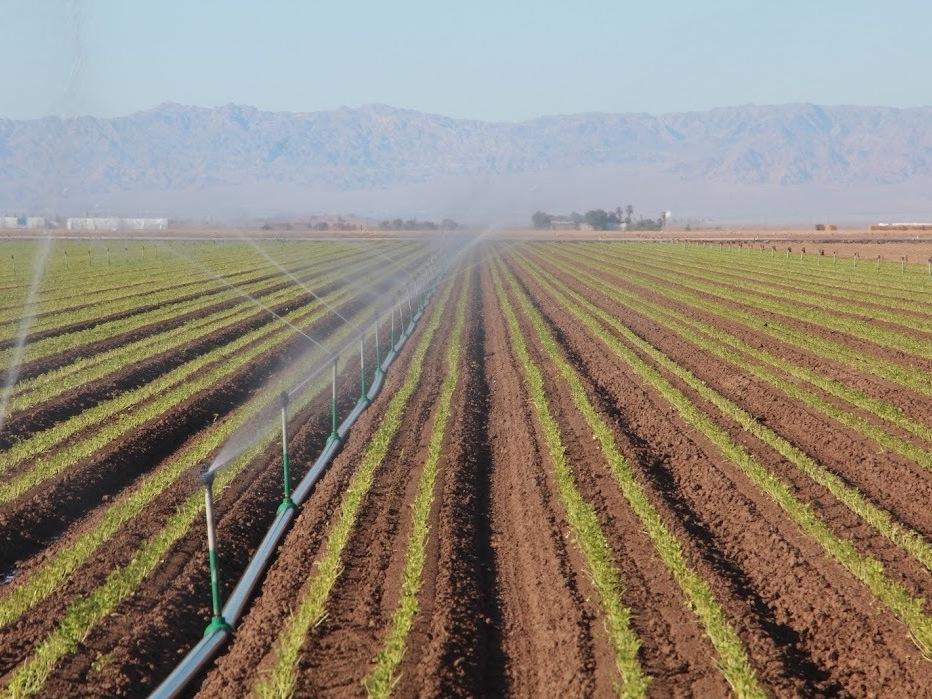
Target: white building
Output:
{"points": [[92, 224], [22, 222], [115, 224]]}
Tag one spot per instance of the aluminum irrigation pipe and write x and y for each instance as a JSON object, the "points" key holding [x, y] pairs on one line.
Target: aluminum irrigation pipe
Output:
{"points": [[217, 634]]}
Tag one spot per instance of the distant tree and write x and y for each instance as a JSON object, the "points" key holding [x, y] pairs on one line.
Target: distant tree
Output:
{"points": [[322, 226], [448, 224], [266, 227], [398, 224], [648, 224], [629, 214], [541, 220], [597, 218], [576, 217]]}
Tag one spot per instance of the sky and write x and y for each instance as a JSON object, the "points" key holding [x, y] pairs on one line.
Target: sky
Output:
{"points": [[505, 60]]}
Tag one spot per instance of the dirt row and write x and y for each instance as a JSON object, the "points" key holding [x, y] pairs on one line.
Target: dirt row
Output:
{"points": [[41, 365], [104, 317], [643, 270], [917, 406], [858, 460], [17, 639], [76, 400], [809, 625], [33, 522]]}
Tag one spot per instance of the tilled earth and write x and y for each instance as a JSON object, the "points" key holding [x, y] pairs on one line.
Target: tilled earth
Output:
{"points": [[507, 604]]}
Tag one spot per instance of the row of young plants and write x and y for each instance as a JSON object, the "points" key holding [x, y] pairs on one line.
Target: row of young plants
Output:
{"points": [[870, 571], [53, 451], [203, 286], [908, 313], [106, 330], [733, 660], [850, 272], [88, 610], [92, 367], [910, 377], [59, 281], [780, 373], [310, 605], [909, 540], [49, 311], [824, 279], [862, 329], [381, 678]]}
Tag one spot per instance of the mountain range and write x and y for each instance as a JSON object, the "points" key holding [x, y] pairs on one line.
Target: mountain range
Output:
{"points": [[783, 163]]}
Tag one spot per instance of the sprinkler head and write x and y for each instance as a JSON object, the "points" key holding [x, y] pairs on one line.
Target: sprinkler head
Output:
{"points": [[284, 399], [207, 476]]}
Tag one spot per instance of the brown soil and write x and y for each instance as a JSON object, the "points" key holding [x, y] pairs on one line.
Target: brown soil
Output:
{"points": [[920, 407], [507, 606], [87, 395], [33, 521], [809, 625]]}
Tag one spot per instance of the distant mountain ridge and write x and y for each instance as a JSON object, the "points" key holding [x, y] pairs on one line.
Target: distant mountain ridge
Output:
{"points": [[236, 160]]}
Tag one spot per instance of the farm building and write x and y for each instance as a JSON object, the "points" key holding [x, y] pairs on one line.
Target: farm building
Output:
{"points": [[115, 224], [22, 222], [902, 227]]}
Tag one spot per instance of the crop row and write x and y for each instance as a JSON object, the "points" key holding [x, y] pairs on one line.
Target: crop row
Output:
{"points": [[88, 610], [310, 606], [911, 541], [815, 316], [911, 377], [733, 659], [825, 276], [139, 283], [382, 677], [850, 272], [107, 330], [773, 370], [129, 411], [204, 285], [909, 313], [864, 567], [40, 388]]}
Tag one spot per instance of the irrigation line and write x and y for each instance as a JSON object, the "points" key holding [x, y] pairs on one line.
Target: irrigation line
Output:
{"points": [[207, 648]]}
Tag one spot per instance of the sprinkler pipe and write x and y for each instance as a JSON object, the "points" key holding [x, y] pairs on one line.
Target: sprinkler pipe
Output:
{"points": [[217, 622], [287, 502]]}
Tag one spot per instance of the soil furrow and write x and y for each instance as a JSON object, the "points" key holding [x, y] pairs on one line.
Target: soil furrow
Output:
{"points": [[809, 625]]}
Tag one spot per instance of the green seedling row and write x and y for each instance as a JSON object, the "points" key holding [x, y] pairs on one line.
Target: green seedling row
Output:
{"points": [[581, 517], [909, 540], [908, 609], [311, 603], [909, 377], [733, 658]]}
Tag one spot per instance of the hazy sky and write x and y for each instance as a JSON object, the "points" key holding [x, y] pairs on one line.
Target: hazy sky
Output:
{"points": [[501, 60]]}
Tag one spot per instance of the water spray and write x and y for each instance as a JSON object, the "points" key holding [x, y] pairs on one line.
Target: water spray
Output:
{"points": [[217, 622]]}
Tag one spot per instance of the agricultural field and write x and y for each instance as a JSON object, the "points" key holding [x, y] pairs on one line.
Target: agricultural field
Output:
{"points": [[593, 469]]}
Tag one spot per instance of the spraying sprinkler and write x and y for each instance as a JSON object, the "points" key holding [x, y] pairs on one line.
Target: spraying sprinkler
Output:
{"points": [[287, 503], [362, 371], [217, 622], [334, 435], [378, 350]]}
